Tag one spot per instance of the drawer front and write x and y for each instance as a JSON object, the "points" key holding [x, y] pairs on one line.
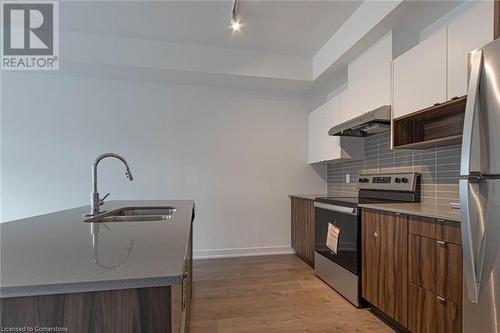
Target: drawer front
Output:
{"points": [[436, 266], [448, 231], [428, 313]]}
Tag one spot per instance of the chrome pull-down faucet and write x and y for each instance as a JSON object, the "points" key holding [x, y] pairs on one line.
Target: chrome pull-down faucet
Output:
{"points": [[96, 202]]}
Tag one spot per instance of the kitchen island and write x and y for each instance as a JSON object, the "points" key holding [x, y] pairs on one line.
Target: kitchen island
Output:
{"points": [[62, 273]]}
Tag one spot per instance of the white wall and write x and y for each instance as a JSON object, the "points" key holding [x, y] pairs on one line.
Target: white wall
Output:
{"points": [[237, 154], [364, 19], [447, 18], [138, 53]]}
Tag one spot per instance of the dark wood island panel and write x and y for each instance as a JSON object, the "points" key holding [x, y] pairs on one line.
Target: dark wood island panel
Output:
{"points": [[126, 310]]}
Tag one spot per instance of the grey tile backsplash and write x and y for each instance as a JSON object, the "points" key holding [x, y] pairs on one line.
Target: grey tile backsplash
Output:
{"points": [[439, 168]]}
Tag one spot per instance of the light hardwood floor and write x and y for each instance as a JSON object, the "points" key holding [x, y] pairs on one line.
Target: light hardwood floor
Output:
{"points": [[270, 294]]}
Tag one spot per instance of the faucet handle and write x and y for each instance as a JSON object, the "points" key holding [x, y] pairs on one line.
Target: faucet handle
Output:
{"points": [[101, 201]]}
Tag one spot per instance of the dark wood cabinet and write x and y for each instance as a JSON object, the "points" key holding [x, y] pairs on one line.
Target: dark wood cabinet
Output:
{"points": [[436, 265], [435, 271], [302, 229], [438, 125], [412, 270], [384, 262], [430, 313]]}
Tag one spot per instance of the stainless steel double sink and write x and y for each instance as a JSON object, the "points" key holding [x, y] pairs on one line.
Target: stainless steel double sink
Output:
{"points": [[135, 214]]}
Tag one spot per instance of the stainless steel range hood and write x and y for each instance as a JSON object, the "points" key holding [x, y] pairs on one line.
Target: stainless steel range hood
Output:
{"points": [[373, 122]]}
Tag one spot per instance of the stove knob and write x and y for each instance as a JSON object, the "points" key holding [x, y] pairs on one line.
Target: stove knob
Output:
{"points": [[360, 180], [404, 180], [365, 180], [397, 180]]}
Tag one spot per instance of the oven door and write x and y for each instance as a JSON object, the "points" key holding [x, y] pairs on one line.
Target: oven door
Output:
{"points": [[345, 221]]}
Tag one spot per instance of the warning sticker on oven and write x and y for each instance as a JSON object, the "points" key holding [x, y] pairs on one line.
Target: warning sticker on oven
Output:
{"points": [[332, 239]]}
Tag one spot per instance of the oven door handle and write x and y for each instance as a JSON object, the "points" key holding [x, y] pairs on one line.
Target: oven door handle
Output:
{"points": [[336, 208]]}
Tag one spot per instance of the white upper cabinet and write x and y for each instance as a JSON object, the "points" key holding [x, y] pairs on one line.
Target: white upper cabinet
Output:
{"points": [[324, 148], [472, 30], [315, 142], [420, 76], [331, 147], [369, 80], [436, 70]]}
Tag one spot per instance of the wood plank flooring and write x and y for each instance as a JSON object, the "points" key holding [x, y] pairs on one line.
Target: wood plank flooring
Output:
{"points": [[270, 294]]}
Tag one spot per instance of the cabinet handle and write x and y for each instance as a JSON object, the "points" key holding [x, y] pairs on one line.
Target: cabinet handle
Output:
{"points": [[397, 214], [436, 104], [442, 299], [454, 98], [441, 220], [441, 242], [375, 234]]}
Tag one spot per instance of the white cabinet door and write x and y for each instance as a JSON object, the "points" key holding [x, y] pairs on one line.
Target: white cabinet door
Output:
{"points": [[322, 147], [326, 148], [369, 77], [472, 30], [420, 76], [345, 105], [331, 113], [315, 143]]}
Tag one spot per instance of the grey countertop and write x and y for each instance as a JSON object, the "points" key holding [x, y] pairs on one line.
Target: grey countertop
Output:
{"points": [[54, 253], [307, 196], [440, 212]]}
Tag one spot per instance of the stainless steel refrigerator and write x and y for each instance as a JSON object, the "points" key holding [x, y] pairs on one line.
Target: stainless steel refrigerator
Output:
{"points": [[480, 192]]}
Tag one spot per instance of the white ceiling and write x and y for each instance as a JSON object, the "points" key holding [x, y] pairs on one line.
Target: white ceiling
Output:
{"points": [[189, 42], [289, 27]]}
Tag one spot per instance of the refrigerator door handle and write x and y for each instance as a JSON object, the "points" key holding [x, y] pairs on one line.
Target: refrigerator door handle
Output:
{"points": [[469, 223], [471, 280], [476, 65]]}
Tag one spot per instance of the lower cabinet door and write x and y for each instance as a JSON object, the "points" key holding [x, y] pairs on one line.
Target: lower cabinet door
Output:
{"points": [[384, 262], [430, 313]]}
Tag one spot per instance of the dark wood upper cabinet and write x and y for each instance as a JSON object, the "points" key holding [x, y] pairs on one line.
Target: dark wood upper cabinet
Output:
{"points": [[384, 262], [439, 125]]}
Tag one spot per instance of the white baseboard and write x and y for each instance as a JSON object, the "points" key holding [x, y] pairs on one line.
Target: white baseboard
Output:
{"points": [[242, 252]]}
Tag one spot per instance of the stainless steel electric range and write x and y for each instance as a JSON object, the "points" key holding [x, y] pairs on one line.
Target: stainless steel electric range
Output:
{"points": [[338, 228]]}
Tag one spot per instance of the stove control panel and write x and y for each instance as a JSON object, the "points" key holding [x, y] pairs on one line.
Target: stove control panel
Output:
{"points": [[392, 182]]}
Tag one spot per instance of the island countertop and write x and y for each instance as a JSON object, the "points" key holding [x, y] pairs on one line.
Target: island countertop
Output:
{"points": [[57, 253]]}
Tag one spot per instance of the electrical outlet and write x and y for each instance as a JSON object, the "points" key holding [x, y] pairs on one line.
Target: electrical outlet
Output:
{"points": [[347, 178]]}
